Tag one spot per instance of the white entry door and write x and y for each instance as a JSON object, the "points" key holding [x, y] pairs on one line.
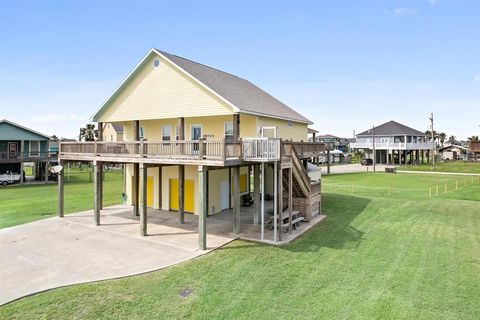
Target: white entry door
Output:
{"points": [[224, 195], [196, 135]]}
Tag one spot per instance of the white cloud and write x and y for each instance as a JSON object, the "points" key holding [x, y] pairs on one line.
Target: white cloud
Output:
{"points": [[433, 1], [402, 12], [56, 117], [477, 78]]}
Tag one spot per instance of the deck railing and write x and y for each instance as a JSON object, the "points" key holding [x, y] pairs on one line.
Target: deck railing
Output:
{"points": [[193, 149], [27, 156], [248, 149], [261, 149]]}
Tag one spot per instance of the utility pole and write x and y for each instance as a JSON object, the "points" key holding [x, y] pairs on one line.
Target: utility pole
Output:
{"points": [[374, 152], [433, 141]]}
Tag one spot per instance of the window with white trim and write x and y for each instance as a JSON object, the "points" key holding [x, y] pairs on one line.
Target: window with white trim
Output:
{"points": [[228, 131], [34, 148], [141, 133], [166, 133]]}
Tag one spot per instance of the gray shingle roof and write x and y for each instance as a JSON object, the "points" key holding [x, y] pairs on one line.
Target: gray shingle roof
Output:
{"points": [[392, 128], [240, 92]]}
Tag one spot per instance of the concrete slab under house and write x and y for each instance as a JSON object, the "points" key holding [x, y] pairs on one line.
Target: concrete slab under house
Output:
{"points": [[200, 141]]}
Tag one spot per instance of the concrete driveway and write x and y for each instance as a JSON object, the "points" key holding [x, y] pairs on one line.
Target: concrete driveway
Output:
{"points": [[57, 252]]}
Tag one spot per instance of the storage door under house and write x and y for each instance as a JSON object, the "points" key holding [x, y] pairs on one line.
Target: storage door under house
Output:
{"points": [[189, 194], [149, 191], [243, 183]]}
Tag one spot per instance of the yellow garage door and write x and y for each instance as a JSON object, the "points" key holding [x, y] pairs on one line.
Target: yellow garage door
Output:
{"points": [[149, 191], [188, 202], [243, 183]]}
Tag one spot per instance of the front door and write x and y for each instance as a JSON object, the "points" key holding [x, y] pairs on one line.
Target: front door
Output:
{"points": [[12, 150], [196, 135], [224, 195]]}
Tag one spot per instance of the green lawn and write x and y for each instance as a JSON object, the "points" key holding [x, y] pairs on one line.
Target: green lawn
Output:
{"points": [[21, 204], [376, 256], [452, 166]]}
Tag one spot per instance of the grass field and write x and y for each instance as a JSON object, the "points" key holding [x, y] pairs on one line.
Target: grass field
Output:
{"points": [[452, 166], [21, 204], [376, 256]]}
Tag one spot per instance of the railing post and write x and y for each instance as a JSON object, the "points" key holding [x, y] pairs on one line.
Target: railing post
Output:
{"points": [[200, 149], [224, 149], [95, 150], [241, 148], [141, 148]]}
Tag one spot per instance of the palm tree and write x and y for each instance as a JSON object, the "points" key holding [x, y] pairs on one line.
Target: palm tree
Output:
{"points": [[88, 133], [452, 139], [54, 138], [442, 136], [473, 138]]}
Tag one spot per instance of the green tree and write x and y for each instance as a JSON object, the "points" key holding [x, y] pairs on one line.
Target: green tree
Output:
{"points": [[473, 138], [88, 133]]}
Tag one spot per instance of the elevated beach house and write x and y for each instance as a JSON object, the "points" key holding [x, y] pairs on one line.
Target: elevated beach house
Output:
{"points": [[394, 143], [18, 145], [197, 140]]}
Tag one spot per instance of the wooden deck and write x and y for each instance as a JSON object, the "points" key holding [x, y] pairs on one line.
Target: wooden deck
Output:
{"points": [[188, 152]]}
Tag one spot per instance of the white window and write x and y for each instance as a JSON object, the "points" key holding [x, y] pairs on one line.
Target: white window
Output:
{"points": [[166, 133], [384, 140], [141, 134], [34, 148], [177, 130], [228, 131], [290, 123]]}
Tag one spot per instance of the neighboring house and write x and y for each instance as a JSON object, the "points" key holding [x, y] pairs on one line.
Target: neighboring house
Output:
{"points": [[19, 145], [454, 152], [53, 146], [395, 143], [112, 132], [195, 137], [474, 146], [337, 143]]}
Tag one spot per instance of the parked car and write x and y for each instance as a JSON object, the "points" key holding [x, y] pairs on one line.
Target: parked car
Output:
{"points": [[367, 162], [9, 178]]}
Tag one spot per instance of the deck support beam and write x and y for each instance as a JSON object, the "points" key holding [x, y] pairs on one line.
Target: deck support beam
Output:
{"points": [[256, 194], [181, 194], [143, 199], [275, 202], [135, 189], [290, 199], [47, 163], [21, 160], [160, 188], [100, 138], [202, 217], [61, 194], [97, 182], [280, 201], [262, 206], [236, 200], [236, 126]]}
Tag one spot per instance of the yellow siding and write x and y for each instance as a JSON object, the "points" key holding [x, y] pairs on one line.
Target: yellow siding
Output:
{"points": [[212, 127], [248, 126], [216, 177], [160, 93], [297, 131]]}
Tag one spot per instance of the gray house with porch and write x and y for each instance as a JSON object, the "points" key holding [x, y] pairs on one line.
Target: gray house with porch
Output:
{"points": [[394, 143]]}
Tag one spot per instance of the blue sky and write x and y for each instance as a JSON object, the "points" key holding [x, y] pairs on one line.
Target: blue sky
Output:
{"points": [[346, 65]]}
